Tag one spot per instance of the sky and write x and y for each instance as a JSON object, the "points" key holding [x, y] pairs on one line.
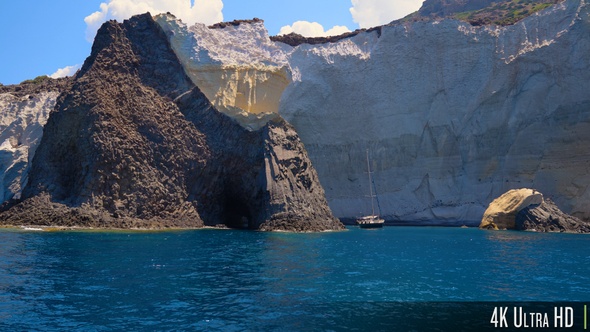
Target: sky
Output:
{"points": [[40, 37]]}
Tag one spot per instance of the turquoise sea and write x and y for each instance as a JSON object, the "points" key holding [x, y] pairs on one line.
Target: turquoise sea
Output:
{"points": [[395, 278]]}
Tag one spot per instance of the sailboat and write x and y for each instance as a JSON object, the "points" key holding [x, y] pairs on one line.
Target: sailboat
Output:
{"points": [[373, 220]]}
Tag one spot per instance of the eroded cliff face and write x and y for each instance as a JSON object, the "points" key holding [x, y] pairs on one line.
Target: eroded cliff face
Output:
{"points": [[454, 115], [22, 117], [237, 67], [135, 144]]}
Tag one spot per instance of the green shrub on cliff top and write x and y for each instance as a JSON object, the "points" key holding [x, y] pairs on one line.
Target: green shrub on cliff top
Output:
{"points": [[37, 79], [503, 13]]}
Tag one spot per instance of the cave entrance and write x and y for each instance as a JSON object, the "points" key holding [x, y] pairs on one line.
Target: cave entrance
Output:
{"points": [[237, 212]]}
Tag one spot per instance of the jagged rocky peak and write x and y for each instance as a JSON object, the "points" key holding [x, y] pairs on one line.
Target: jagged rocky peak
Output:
{"points": [[133, 143], [236, 66]]}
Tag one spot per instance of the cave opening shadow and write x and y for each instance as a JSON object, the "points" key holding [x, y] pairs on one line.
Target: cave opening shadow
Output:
{"points": [[237, 212]]}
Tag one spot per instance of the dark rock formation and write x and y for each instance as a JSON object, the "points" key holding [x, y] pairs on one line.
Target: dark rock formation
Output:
{"points": [[134, 144], [292, 184], [295, 39], [547, 217], [235, 23]]}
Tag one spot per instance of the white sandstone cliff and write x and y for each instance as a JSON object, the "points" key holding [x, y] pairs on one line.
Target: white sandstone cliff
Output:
{"points": [[454, 115], [238, 68], [21, 127]]}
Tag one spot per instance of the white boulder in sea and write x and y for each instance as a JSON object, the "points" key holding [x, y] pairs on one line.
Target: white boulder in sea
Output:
{"points": [[527, 210], [501, 213]]}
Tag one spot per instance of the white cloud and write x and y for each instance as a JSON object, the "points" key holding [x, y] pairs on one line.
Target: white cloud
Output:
{"points": [[204, 11], [312, 29], [370, 13], [66, 71]]}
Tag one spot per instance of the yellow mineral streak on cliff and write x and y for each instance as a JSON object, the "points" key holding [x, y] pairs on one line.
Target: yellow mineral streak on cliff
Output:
{"points": [[251, 90], [245, 93]]}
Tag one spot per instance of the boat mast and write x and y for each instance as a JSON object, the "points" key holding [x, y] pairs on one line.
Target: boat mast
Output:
{"points": [[370, 184]]}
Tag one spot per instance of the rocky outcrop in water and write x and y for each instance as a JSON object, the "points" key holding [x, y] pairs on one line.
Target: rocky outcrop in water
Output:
{"points": [[502, 211], [547, 217], [528, 210], [135, 144]]}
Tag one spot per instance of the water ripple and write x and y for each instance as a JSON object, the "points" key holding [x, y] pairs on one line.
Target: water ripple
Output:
{"points": [[231, 280]]}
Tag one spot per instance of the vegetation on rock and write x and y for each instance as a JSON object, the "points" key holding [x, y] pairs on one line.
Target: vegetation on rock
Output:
{"points": [[503, 13], [37, 80]]}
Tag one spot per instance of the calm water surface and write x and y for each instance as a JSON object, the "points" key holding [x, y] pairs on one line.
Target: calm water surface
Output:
{"points": [[238, 280]]}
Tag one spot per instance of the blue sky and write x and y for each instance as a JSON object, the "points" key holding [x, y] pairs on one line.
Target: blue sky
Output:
{"points": [[40, 37]]}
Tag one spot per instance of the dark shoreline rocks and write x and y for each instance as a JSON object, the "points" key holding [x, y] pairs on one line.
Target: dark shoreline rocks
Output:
{"points": [[547, 217], [133, 143]]}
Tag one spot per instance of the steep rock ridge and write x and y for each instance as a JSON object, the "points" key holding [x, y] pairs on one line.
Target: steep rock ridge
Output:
{"points": [[109, 148], [289, 176], [245, 83], [24, 110], [454, 115], [135, 144]]}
